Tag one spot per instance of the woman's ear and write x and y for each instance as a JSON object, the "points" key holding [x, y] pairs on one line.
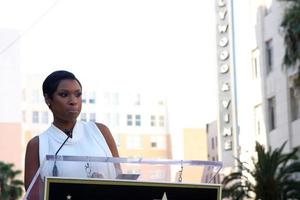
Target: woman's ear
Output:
{"points": [[47, 100]]}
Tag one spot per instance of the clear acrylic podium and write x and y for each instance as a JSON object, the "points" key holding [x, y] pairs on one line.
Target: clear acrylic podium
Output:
{"points": [[81, 177]]}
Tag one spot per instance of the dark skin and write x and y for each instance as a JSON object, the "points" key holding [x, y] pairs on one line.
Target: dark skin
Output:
{"points": [[65, 105]]}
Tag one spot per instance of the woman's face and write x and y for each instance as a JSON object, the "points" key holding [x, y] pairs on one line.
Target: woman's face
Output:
{"points": [[66, 101]]}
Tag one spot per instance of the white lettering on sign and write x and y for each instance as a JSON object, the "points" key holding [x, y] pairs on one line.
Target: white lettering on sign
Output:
{"points": [[224, 68], [227, 132], [221, 3], [222, 14], [226, 103], [222, 28]]}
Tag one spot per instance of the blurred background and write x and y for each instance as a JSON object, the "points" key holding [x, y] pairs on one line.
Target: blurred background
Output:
{"points": [[176, 79]]}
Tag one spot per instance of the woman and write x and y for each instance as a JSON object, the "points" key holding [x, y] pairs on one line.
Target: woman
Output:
{"points": [[62, 93]]}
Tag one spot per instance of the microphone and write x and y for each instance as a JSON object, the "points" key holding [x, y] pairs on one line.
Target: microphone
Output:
{"points": [[55, 170]]}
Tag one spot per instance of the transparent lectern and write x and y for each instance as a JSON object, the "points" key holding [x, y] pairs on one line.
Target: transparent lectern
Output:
{"points": [[81, 177]]}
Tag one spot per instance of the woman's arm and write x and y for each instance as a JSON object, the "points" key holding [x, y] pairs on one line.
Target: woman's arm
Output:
{"points": [[31, 160], [109, 139]]}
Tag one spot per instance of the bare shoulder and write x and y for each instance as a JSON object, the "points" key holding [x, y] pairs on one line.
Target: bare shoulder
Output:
{"points": [[32, 152], [31, 160], [105, 132], [33, 143], [108, 138], [102, 127]]}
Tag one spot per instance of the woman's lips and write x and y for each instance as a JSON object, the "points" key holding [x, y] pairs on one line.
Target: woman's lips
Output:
{"points": [[73, 111]]}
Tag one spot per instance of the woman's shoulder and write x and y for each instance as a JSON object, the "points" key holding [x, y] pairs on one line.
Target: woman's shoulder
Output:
{"points": [[33, 145], [109, 138], [33, 142], [36, 140], [31, 160], [102, 127]]}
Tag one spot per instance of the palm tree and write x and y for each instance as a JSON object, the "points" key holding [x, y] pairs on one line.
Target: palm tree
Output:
{"points": [[273, 176], [291, 32], [10, 187], [238, 184]]}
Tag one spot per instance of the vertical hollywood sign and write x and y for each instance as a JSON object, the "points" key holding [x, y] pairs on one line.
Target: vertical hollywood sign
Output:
{"points": [[224, 79]]}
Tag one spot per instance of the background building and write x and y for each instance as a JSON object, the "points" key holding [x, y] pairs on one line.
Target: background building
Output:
{"points": [[272, 108], [267, 102], [10, 101], [212, 141], [137, 122], [195, 144], [280, 99]]}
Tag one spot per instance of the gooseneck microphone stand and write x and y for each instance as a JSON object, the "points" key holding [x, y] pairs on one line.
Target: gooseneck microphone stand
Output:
{"points": [[55, 170]]}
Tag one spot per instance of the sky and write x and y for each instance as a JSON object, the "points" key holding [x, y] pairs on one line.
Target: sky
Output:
{"points": [[151, 46]]}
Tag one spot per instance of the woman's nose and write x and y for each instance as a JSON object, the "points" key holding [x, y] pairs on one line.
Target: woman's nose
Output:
{"points": [[73, 100]]}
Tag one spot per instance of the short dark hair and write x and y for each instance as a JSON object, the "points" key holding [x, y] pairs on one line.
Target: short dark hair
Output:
{"points": [[52, 81]]}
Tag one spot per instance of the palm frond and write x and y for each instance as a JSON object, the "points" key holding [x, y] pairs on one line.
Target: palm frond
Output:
{"points": [[291, 30], [273, 173], [11, 188]]}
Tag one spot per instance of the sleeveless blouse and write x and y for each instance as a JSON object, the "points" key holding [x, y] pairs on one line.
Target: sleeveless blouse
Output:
{"points": [[86, 140]]}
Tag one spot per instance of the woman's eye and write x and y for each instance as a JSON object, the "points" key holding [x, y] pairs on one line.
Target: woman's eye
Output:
{"points": [[63, 94], [78, 94]]}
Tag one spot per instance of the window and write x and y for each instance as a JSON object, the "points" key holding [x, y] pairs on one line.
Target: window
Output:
{"points": [[24, 119], [35, 117], [36, 96], [24, 95], [83, 117], [115, 121], [138, 120], [92, 99], [257, 119], [152, 122], [254, 68], [83, 97], [212, 143], [137, 100], [129, 120], [272, 113], [161, 121], [93, 117], [44, 117], [107, 119], [161, 103], [268, 7], [255, 64], [115, 99], [294, 105], [258, 128], [106, 98], [269, 56], [158, 142], [133, 142], [153, 144]]}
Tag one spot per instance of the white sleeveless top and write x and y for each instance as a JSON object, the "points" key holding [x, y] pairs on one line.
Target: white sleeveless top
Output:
{"points": [[87, 140]]}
